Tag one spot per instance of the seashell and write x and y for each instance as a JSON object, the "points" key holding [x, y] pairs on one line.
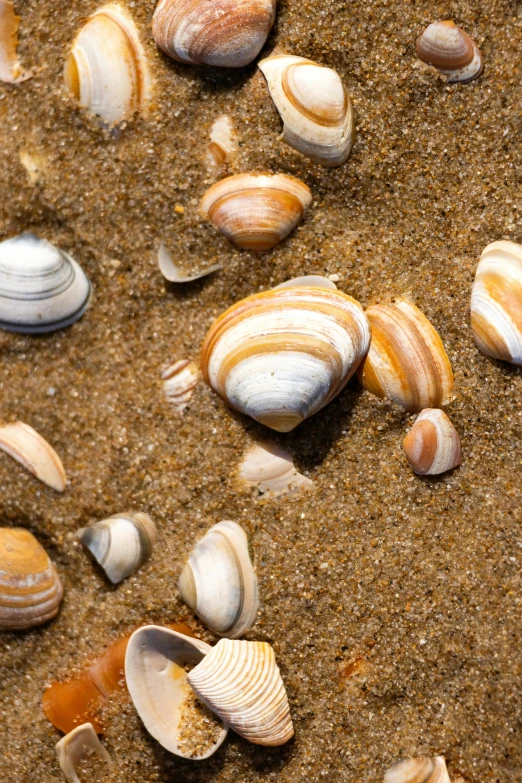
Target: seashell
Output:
{"points": [[224, 33], [71, 750], [155, 670], [406, 362], [496, 302], [282, 355], [419, 770], [11, 71], [451, 51], [218, 581], [41, 287], [173, 273], [432, 445], [316, 281], [180, 380], [222, 145], [27, 446], [30, 588], [271, 469], [240, 681], [106, 70], [314, 106], [120, 544], [256, 211]]}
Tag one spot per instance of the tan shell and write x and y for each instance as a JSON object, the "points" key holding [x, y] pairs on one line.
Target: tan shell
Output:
{"points": [[406, 362], [240, 682], [271, 469], [419, 770], [11, 71], [449, 49], [30, 588], [223, 144], [256, 211], [432, 445], [27, 446], [71, 749], [179, 383]]}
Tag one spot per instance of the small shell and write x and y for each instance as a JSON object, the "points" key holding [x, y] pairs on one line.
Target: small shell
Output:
{"points": [[106, 70], [314, 106], [496, 302], [432, 445], [224, 33], [256, 211], [27, 446], [41, 287], [121, 543], [420, 770], [282, 355], [11, 71], [271, 469], [157, 681], [34, 164], [240, 681], [451, 51], [223, 144], [406, 362], [180, 381], [218, 581], [30, 588], [307, 281], [173, 273], [71, 749]]}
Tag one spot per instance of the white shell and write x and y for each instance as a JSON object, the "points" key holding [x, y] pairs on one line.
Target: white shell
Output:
{"points": [[27, 446], [419, 770], [173, 273], [11, 71], [223, 144], [121, 543], [218, 581], [432, 445], [157, 682], [240, 681], [41, 287], [71, 749], [271, 469], [179, 382], [316, 281], [314, 106], [451, 51]]}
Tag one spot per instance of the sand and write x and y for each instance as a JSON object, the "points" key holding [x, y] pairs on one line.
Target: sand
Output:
{"points": [[392, 602]]}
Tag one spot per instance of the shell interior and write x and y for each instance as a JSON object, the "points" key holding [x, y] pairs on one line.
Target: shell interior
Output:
{"points": [[71, 749]]}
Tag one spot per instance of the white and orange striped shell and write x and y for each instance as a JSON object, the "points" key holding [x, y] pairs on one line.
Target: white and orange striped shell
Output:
{"points": [[282, 355], [432, 446], [451, 51]]}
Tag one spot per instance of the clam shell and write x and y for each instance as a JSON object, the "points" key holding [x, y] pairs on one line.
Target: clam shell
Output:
{"points": [[419, 770], [27, 446], [314, 106], [41, 287], [496, 302], [30, 588], [121, 543], [449, 49], [218, 581], [11, 71], [240, 681], [271, 469], [432, 445], [179, 383], [256, 211], [406, 362], [71, 749], [173, 273], [157, 682], [282, 355], [226, 33]]}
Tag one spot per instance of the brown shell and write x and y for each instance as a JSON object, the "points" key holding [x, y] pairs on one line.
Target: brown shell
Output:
{"points": [[451, 50]]}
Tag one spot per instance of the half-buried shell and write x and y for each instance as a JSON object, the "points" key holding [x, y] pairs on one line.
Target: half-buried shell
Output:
{"points": [[418, 770], [11, 71], [72, 748], [27, 447], [451, 51], [271, 469], [432, 446]]}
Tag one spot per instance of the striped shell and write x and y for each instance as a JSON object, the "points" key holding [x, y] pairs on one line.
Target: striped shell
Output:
{"points": [[419, 770], [72, 748], [496, 302], [256, 211], [432, 445], [240, 682], [30, 588], [282, 355], [451, 51], [406, 362]]}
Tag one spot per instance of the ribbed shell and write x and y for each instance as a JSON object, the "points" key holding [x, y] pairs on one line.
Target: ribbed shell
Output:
{"points": [[449, 49], [419, 770], [406, 362], [282, 355], [240, 681], [496, 302], [432, 445], [228, 33], [30, 588], [256, 211]]}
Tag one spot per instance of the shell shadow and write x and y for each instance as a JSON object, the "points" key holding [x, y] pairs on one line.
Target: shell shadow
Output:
{"points": [[216, 80]]}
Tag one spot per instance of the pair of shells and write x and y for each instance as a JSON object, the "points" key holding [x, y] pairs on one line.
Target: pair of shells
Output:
{"points": [[451, 51], [418, 770], [30, 588], [432, 446], [238, 681]]}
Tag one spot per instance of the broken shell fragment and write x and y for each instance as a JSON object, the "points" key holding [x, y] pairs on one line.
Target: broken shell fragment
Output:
{"points": [[218, 581], [406, 362], [179, 382], [155, 670], [173, 273], [451, 51], [314, 106], [282, 355], [271, 469], [419, 770], [120, 544], [240, 681], [27, 447], [432, 445], [256, 211], [30, 588], [223, 144], [71, 749], [106, 70], [11, 71], [224, 33], [496, 302]]}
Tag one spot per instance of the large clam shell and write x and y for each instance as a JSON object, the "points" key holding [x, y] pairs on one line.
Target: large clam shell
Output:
{"points": [[218, 581], [72, 748], [418, 770]]}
